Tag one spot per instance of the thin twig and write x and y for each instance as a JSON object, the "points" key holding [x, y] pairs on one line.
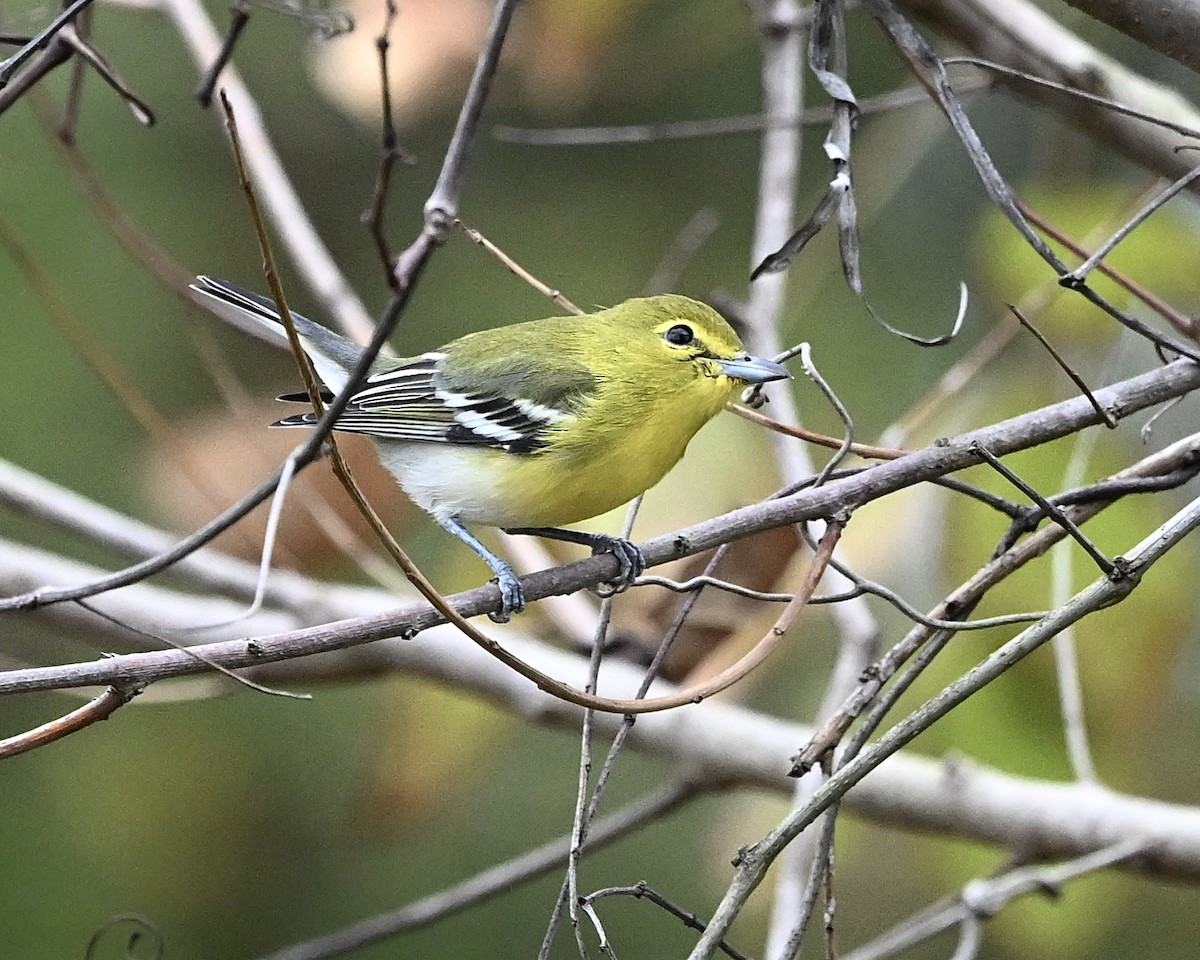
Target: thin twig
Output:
{"points": [[160, 639], [697, 583], [864, 586], [800, 433], [93, 58], [909, 96], [847, 443], [642, 891], [986, 896], [1110, 568], [1109, 420], [40, 41], [239, 17], [547, 291], [1108, 104], [101, 708], [1080, 273], [500, 878], [755, 860], [603, 943], [580, 824], [390, 150]]}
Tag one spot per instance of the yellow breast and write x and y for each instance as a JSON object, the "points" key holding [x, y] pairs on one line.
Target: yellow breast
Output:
{"points": [[609, 455]]}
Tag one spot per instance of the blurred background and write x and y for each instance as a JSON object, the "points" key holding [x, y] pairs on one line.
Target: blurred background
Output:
{"points": [[242, 823]]}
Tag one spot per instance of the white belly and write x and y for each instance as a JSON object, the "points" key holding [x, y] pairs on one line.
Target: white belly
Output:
{"points": [[448, 480]]}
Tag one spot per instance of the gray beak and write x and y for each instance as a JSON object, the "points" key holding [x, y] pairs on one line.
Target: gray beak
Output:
{"points": [[753, 369]]}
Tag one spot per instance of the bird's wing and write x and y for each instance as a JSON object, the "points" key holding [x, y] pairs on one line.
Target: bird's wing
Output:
{"points": [[499, 405]]}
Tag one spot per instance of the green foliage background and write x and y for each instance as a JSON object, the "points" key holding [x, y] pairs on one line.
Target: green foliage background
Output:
{"points": [[243, 823]]}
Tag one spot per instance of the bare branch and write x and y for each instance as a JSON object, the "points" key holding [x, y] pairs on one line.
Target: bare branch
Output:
{"points": [[641, 890], [502, 877], [1061, 361], [1018, 34], [964, 598], [907, 791], [239, 17], [946, 456], [101, 708], [1171, 27], [911, 96], [292, 224], [551, 293], [986, 896], [40, 41], [754, 861]]}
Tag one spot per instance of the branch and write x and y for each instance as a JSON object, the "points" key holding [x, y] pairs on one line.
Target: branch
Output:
{"points": [[35, 496], [960, 798], [1181, 456], [837, 496], [101, 708], [752, 862], [292, 224], [1019, 35], [495, 880], [1171, 27], [986, 896]]}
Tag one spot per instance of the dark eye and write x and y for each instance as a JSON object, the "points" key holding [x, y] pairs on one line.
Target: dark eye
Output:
{"points": [[680, 335]]}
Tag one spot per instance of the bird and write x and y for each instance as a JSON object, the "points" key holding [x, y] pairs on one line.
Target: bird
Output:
{"points": [[530, 426]]}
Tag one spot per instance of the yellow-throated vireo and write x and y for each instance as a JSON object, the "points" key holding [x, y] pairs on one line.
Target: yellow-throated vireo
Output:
{"points": [[534, 425]]}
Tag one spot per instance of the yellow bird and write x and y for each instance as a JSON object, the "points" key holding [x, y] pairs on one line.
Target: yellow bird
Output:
{"points": [[534, 425]]}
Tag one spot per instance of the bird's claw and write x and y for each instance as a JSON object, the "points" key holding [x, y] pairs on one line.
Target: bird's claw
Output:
{"points": [[512, 597], [630, 558]]}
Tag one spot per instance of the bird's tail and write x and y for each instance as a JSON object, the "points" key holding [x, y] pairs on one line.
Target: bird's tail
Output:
{"points": [[332, 355]]}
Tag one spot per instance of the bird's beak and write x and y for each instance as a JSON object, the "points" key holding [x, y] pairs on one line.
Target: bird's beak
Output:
{"points": [[753, 369]]}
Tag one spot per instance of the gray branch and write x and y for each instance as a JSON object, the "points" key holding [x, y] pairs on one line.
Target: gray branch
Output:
{"points": [[726, 742], [1171, 27], [834, 498], [1017, 34]]}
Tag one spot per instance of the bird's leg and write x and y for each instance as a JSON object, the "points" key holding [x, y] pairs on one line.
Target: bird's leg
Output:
{"points": [[628, 555], [512, 597]]}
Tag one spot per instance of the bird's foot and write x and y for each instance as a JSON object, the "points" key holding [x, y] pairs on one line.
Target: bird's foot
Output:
{"points": [[512, 597], [629, 556]]}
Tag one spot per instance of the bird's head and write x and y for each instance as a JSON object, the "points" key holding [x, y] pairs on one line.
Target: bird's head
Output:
{"points": [[677, 329]]}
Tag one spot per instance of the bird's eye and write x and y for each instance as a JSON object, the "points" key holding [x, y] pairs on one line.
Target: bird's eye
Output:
{"points": [[680, 335]]}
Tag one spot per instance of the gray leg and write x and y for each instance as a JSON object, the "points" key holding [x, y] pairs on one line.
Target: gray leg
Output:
{"points": [[512, 598]]}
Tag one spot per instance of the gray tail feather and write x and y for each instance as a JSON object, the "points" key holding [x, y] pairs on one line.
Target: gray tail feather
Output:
{"points": [[331, 354]]}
